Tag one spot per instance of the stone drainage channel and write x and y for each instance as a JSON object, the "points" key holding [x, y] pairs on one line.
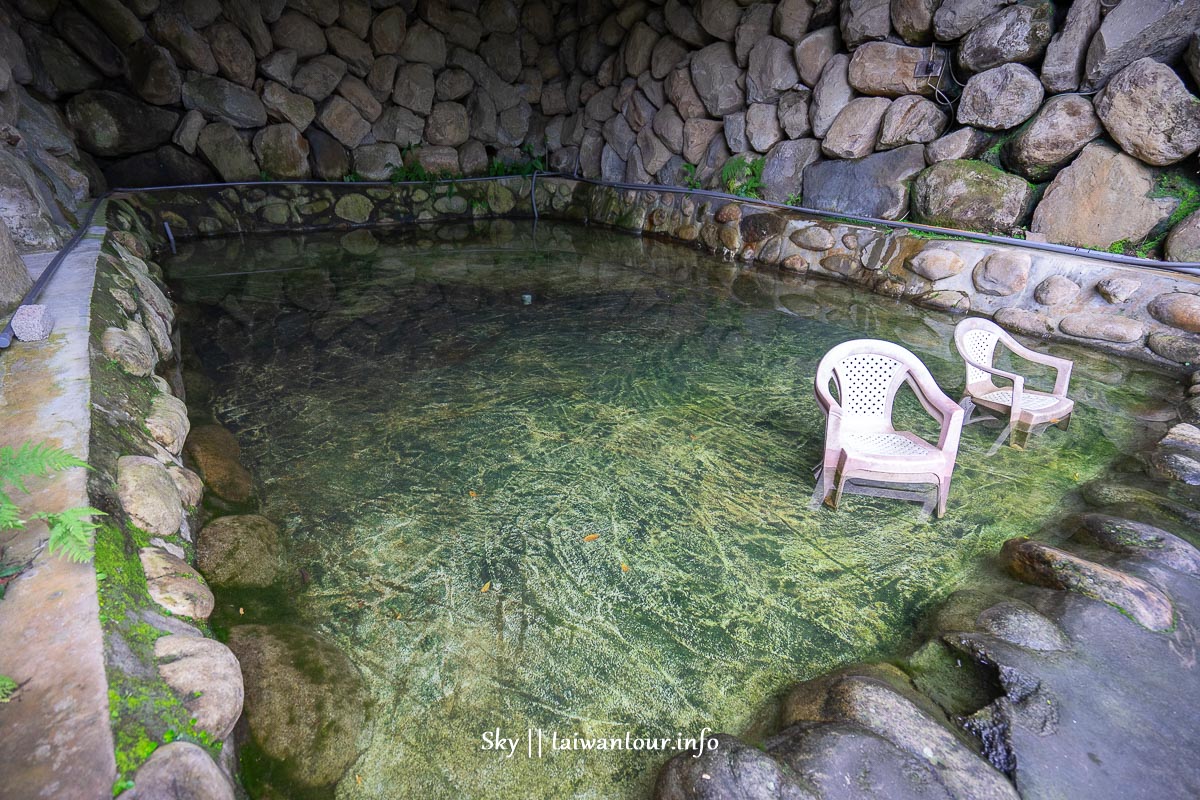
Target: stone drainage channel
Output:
{"points": [[1082, 673]]}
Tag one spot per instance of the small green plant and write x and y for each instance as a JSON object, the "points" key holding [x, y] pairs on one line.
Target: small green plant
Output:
{"points": [[8, 687], [742, 177], [794, 199], [690, 179], [70, 530], [263, 175], [352, 177], [532, 163]]}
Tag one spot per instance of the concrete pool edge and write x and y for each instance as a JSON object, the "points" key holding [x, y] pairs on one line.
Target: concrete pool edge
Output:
{"points": [[122, 247]]}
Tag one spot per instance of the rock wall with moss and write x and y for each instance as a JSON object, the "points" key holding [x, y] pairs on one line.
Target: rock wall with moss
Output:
{"points": [[1074, 123]]}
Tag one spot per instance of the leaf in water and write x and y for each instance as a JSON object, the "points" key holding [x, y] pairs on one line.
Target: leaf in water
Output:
{"points": [[486, 586], [591, 537], [624, 568]]}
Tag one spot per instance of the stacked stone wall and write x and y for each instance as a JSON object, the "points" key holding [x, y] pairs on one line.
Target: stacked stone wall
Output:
{"points": [[1073, 123]]}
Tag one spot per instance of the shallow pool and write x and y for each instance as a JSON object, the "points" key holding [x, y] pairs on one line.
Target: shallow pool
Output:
{"points": [[561, 479]]}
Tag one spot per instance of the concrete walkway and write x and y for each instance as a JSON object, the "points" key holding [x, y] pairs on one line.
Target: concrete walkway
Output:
{"points": [[55, 739]]}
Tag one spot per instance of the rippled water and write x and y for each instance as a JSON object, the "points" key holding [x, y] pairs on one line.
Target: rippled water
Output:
{"points": [[561, 479]]}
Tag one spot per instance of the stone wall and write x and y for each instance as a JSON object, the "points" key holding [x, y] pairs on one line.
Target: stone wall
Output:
{"points": [[1074, 122]]}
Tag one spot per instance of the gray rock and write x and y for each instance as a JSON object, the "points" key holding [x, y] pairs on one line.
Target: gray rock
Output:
{"points": [[1117, 290], [473, 159], [424, 44], [935, 263], [191, 488], [389, 30], [1180, 349], [1018, 33], [250, 19], [148, 495], [655, 154], [415, 87], [329, 159], [153, 74], [718, 17], [964, 143], [1101, 198], [130, 347], [814, 237], [461, 28], [280, 66], [683, 23], [1150, 114], [89, 41], [1062, 68], [855, 130], [680, 91], [499, 15], [282, 152], [226, 152], [240, 550], [233, 54], [911, 120], [447, 125], [1003, 273], [482, 116], [772, 70], [970, 195], [206, 676], [728, 769], [114, 124], [1019, 624], [514, 124], [1000, 98], [863, 20], [168, 422], [400, 126], [831, 94], [294, 31], [1056, 290], [190, 48], [1020, 320], [814, 51], [223, 101], [755, 24], [188, 131], [504, 95], [793, 113], [1127, 537], [791, 19], [639, 46], [307, 717], [1183, 243], [453, 84], [287, 106], [316, 79], [668, 125], [354, 51], [667, 54], [1136, 29], [1179, 310], [697, 134], [31, 323], [955, 18], [889, 70], [784, 167], [1062, 128], [762, 127], [355, 16], [344, 123], [718, 80], [913, 19], [619, 135], [1103, 327], [875, 186], [179, 771]]}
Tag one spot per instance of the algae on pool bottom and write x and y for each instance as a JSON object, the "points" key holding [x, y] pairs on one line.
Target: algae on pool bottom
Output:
{"points": [[615, 437]]}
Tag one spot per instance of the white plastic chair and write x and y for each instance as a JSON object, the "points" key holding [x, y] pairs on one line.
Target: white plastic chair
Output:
{"points": [[860, 441], [1026, 408]]}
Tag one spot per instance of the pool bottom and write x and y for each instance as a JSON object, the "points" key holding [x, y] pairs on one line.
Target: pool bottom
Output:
{"points": [[561, 481]]}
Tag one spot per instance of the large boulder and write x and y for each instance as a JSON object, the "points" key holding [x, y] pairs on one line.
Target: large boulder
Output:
{"points": [[149, 495], [329, 159], [791, 19], [223, 101], [970, 195], [1063, 127], [14, 277], [913, 19], [174, 585], [863, 20], [294, 31], [875, 186], [1000, 98], [1062, 67], [1018, 33], [762, 126], [718, 80], [316, 79], [784, 165], [189, 47], [153, 74], [227, 153], [240, 550], [1150, 114], [911, 120], [1135, 29], [955, 18], [719, 17], [305, 704], [1183, 244], [814, 51], [22, 204], [206, 676], [772, 70], [730, 769], [114, 124], [342, 120], [179, 771], [287, 106], [1102, 198], [890, 70], [214, 452], [1178, 309], [855, 131], [233, 54], [964, 143], [282, 152], [831, 94]]}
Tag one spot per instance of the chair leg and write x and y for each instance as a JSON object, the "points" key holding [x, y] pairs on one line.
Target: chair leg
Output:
{"points": [[832, 500], [1020, 437], [1064, 423], [943, 495]]}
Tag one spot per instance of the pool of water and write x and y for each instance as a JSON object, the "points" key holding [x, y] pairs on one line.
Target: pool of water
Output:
{"points": [[560, 478]]}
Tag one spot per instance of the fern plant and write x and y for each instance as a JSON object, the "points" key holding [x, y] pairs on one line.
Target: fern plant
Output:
{"points": [[742, 177], [70, 530], [690, 179], [8, 687], [794, 199]]}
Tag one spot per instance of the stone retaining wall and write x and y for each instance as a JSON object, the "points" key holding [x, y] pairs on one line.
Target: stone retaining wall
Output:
{"points": [[1075, 121], [1143, 314]]}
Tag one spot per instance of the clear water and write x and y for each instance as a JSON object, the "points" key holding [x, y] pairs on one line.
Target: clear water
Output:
{"points": [[615, 437]]}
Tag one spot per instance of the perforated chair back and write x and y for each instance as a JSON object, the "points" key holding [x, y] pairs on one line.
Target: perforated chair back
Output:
{"points": [[979, 344]]}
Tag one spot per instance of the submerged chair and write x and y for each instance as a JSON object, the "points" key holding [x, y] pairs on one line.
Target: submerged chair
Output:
{"points": [[1026, 408], [860, 441]]}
